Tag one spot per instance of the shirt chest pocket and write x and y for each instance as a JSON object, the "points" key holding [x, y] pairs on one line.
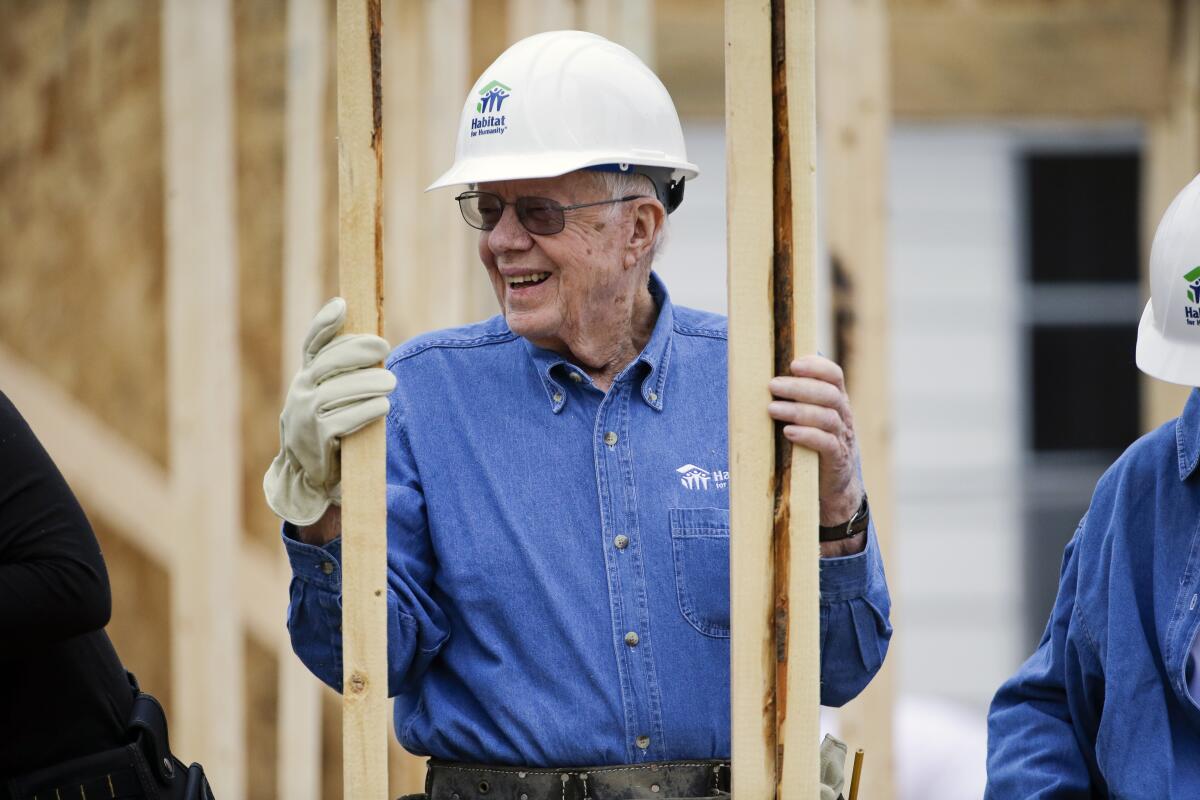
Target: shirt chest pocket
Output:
{"points": [[700, 544]]}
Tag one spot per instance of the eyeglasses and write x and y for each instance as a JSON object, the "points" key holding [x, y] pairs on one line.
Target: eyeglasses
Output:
{"points": [[539, 215]]}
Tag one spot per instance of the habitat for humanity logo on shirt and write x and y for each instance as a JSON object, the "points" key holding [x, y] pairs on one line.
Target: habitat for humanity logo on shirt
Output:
{"points": [[488, 119], [699, 479], [1193, 294]]}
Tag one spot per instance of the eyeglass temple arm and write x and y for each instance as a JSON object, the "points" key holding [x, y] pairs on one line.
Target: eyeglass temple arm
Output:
{"points": [[624, 199]]}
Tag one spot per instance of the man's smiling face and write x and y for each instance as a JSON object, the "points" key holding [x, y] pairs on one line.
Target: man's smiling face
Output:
{"points": [[554, 289]]}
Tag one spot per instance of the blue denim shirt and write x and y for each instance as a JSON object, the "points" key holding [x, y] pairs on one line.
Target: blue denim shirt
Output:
{"points": [[1102, 708], [558, 557]]}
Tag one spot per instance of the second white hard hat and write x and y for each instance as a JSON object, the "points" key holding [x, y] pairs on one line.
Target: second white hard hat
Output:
{"points": [[566, 100], [1168, 345]]}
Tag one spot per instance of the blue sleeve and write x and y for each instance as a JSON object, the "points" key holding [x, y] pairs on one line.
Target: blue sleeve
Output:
{"points": [[855, 625], [417, 628], [1037, 741]]}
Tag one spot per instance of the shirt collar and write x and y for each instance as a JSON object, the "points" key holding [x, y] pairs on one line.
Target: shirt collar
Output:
{"points": [[1187, 436], [553, 369]]}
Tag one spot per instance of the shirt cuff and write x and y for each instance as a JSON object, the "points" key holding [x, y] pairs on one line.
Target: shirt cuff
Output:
{"points": [[847, 577], [319, 565]]}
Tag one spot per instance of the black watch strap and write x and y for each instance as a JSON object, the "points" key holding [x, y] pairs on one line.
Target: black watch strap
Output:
{"points": [[853, 527]]}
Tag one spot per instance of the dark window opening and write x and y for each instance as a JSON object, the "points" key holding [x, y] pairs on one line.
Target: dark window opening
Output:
{"points": [[1082, 389], [1085, 389], [1082, 214]]}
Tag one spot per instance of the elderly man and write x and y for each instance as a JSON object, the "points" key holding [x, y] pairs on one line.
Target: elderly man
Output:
{"points": [[1109, 704], [558, 537]]}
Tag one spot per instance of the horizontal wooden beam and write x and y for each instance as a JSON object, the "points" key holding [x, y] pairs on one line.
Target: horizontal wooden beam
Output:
{"points": [[116, 481], [988, 58], [112, 477]]}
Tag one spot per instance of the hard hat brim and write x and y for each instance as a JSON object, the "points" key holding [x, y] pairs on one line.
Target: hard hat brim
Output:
{"points": [[548, 165], [1164, 359]]}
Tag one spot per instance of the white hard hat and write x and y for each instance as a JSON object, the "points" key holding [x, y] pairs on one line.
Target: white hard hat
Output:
{"points": [[567, 100], [1168, 345]]}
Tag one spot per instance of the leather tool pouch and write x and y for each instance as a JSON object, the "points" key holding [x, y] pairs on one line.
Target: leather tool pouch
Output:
{"points": [[174, 781], [142, 768]]}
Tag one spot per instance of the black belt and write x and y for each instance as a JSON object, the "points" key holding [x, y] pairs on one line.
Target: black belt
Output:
{"points": [[664, 780]]}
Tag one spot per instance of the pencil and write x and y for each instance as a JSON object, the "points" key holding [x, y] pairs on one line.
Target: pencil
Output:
{"points": [[854, 776]]}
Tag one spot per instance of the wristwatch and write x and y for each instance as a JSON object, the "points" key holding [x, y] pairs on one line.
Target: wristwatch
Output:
{"points": [[851, 528]]}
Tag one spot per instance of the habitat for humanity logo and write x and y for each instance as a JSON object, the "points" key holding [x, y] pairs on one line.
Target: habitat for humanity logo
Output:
{"points": [[1193, 294], [487, 118], [698, 478]]}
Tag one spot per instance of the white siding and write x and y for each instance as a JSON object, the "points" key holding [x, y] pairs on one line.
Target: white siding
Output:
{"points": [[954, 286], [692, 263]]}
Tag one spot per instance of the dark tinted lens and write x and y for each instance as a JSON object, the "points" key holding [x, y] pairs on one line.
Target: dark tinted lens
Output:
{"points": [[540, 215], [490, 210], [481, 210]]}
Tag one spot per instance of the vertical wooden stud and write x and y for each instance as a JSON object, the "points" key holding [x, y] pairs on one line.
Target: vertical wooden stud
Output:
{"points": [[304, 173], [527, 17], [750, 242], [364, 517], [453, 271], [202, 369], [853, 110], [797, 586], [407, 313], [299, 724], [432, 268], [629, 23], [770, 135], [749, 163]]}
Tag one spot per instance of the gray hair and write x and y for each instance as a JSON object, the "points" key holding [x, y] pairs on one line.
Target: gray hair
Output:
{"points": [[622, 184]]}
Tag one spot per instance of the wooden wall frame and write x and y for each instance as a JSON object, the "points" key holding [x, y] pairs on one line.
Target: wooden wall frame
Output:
{"points": [[204, 518]]}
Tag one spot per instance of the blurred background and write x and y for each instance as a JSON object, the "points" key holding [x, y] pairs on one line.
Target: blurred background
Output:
{"points": [[992, 171]]}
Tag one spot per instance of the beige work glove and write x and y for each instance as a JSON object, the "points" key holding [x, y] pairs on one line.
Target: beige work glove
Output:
{"points": [[833, 768], [339, 389]]}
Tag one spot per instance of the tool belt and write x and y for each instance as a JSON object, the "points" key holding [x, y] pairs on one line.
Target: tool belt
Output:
{"points": [[143, 768], [664, 780]]}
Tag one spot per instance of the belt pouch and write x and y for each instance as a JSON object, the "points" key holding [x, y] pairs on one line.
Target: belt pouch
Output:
{"points": [[115, 774]]}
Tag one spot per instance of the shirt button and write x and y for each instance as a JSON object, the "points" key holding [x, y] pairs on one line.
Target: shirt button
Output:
{"points": [[610, 438], [653, 397], [557, 397], [575, 376], [621, 542], [642, 742], [327, 567], [631, 639]]}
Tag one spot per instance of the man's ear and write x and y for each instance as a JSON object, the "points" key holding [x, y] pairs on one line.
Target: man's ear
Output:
{"points": [[648, 218]]}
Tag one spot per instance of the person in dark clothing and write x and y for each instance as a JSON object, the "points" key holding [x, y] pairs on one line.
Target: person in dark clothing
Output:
{"points": [[63, 691], [71, 717]]}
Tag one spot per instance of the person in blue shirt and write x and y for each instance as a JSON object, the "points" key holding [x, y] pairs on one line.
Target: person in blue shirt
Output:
{"points": [[557, 475], [1109, 704]]}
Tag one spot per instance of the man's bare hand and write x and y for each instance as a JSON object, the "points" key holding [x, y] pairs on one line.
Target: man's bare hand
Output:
{"points": [[813, 405]]}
